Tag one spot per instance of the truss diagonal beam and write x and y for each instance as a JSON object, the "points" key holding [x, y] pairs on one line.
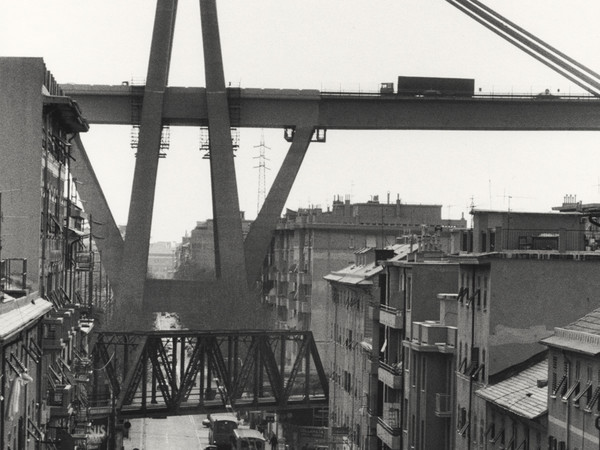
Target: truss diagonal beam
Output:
{"points": [[165, 384], [314, 352], [246, 370], [295, 369], [106, 362], [137, 239], [134, 373], [194, 365], [261, 231], [270, 364], [218, 365]]}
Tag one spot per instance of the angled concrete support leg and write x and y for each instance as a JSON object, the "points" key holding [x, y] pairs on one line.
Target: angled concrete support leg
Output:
{"points": [[137, 238], [261, 232], [229, 257], [110, 242]]}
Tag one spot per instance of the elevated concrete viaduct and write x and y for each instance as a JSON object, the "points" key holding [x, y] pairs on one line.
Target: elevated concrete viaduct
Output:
{"points": [[300, 112]]}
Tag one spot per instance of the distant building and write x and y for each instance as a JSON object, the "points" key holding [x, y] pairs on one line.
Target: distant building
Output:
{"points": [[161, 260], [195, 255]]}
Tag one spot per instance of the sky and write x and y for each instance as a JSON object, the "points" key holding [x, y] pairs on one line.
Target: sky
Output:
{"points": [[347, 45]]}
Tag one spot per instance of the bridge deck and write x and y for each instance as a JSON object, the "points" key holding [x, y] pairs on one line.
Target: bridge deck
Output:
{"points": [[279, 108]]}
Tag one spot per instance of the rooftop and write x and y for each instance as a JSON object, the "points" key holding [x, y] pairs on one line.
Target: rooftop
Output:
{"points": [[582, 336], [521, 394]]}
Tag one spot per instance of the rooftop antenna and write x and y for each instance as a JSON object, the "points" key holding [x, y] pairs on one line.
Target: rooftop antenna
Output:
{"points": [[262, 168]]}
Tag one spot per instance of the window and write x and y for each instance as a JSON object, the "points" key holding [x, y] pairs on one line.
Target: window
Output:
{"points": [[414, 372], [408, 292], [485, 291], [423, 368]]}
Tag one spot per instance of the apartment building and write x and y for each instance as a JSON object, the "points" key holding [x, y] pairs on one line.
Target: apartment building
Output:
{"points": [[48, 299], [311, 243], [415, 364], [195, 255], [354, 290], [510, 299], [490, 309], [516, 414], [573, 376], [161, 260]]}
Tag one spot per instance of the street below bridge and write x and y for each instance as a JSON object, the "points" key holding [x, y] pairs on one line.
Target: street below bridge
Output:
{"points": [[170, 433]]}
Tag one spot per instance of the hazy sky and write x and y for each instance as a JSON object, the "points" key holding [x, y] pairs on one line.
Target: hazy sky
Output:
{"points": [[345, 45]]}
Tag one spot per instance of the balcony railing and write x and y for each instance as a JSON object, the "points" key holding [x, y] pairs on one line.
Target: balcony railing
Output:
{"points": [[389, 433], [390, 375], [390, 317]]}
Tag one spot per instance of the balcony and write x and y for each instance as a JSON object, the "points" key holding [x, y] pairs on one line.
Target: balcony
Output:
{"points": [[443, 405], [60, 401], [84, 261], [390, 375], [391, 317], [53, 333], [389, 433], [431, 336]]}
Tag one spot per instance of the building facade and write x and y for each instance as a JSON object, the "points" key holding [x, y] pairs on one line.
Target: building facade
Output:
{"points": [[573, 375], [195, 255], [161, 260], [354, 290], [423, 349], [49, 270], [309, 244], [510, 299]]}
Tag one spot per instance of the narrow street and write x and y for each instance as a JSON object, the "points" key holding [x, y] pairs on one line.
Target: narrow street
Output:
{"points": [[172, 433]]}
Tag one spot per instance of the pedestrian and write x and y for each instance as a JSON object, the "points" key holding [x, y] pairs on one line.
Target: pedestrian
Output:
{"points": [[273, 441]]}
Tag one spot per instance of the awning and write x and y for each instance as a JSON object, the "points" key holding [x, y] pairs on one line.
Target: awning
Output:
{"points": [[21, 316]]}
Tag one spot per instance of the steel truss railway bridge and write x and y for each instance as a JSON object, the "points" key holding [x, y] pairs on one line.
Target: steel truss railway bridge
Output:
{"points": [[177, 372]]}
